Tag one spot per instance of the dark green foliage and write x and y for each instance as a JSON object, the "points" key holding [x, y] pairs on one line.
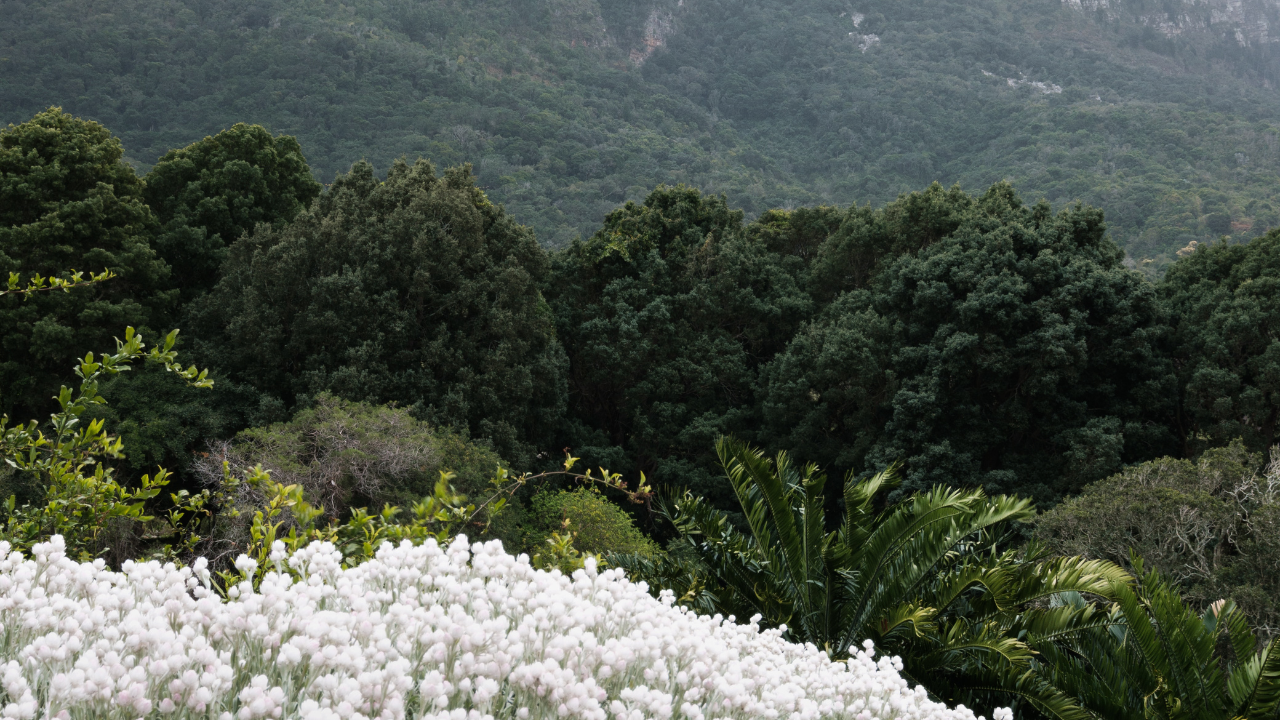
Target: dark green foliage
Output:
{"points": [[416, 290], [1211, 526], [666, 314], [210, 193], [1156, 658], [866, 239], [828, 395], [1223, 302], [983, 342], [796, 233], [68, 202], [166, 423], [926, 579]]}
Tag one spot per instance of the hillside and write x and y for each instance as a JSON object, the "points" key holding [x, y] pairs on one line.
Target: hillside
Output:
{"points": [[1163, 114]]}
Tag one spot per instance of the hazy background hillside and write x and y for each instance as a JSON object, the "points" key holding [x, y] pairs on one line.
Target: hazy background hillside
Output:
{"points": [[1162, 113]]}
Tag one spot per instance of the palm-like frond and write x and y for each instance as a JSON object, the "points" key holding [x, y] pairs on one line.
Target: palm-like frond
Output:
{"points": [[925, 578], [1154, 657], [741, 568], [784, 508], [908, 617], [1174, 643], [929, 580], [1005, 682], [1090, 670], [913, 545], [1255, 685], [1054, 576]]}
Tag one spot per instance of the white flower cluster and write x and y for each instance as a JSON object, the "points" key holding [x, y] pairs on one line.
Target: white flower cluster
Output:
{"points": [[457, 633]]}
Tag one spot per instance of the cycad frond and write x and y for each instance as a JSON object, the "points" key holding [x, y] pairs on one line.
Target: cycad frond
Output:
{"points": [[928, 579], [917, 542], [1255, 685], [1003, 681], [1228, 621], [733, 558], [993, 579], [1064, 623], [907, 617], [784, 506], [1054, 576], [959, 646], [860, 496]]}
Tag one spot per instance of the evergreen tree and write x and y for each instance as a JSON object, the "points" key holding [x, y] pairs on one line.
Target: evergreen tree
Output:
{"points": [[68, 201], [416, 290], [1222, 299], [667, 314], [1008, 349], [210, 193]]}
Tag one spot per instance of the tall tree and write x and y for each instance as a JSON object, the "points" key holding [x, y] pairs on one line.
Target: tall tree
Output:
{"points": [[69, 201], [667, 313], [1007, 348], [867, 239], [798, 233], [416, 290], [1222, 301], [210, 193]]}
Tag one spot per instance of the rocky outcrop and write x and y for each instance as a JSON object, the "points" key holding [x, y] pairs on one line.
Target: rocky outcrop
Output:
{"points": [[1246, 23], [657, 29]]}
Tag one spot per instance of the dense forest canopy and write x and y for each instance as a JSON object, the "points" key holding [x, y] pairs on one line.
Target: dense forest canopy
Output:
{"points": [[976, 339], [1161, 114]]}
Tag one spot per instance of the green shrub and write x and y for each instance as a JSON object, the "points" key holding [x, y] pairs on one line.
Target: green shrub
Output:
{"points": [[598, 525], [1211, 526], [62, 471], [347, 455]]}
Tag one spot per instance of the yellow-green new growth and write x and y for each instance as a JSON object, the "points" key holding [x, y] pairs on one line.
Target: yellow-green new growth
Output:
{"points": [[82, 496]]}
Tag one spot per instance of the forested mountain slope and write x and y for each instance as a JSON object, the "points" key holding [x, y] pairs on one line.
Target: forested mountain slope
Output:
{"points": [[1164, 114]]}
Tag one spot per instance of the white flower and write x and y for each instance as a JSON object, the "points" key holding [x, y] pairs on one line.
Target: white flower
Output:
{"points": [[463, 632], [246, 565]]}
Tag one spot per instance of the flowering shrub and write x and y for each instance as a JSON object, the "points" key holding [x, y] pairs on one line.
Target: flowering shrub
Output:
{"points": [[457, 633]]}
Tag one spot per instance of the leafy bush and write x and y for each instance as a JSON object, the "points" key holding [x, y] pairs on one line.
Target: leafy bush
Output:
{"points": [[72, 491], [597, 525], [1211, 526], [342, 456]]}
